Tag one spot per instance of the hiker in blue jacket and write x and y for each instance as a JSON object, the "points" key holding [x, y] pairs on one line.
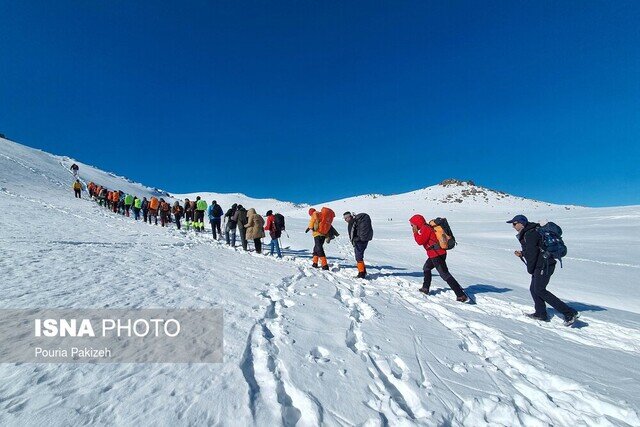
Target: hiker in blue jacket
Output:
{"points": [[215, 218]]}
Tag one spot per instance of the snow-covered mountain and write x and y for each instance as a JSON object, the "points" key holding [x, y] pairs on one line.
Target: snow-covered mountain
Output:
{"points": [[306, 347]]}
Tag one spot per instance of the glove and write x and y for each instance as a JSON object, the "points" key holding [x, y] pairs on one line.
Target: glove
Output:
{"points": [[307, 230]]}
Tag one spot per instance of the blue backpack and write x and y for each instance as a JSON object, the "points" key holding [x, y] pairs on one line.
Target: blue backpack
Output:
{"points": [[551, 244]]}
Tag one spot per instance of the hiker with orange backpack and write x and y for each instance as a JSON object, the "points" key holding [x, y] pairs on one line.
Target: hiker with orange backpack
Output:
{"points": [[115, 200], [320, 224], [154, 204], [165, 213], [436, 239]]}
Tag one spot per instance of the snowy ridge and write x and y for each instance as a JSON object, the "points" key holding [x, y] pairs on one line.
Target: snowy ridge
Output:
{"points": [[308, 347]]}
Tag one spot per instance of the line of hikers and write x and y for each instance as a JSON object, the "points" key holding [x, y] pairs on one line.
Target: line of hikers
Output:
{"points": [[250, 225], [541, 245]]}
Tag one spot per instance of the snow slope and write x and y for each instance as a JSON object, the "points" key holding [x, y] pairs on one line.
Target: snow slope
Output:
{"points": [[306, 347]]}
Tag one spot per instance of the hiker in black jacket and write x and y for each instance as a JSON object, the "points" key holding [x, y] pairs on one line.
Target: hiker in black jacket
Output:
{"points": [[360, 233], [541, 270]]}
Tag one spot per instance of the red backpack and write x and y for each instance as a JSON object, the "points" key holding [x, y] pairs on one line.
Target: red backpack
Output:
{"points": [[326, 218]]}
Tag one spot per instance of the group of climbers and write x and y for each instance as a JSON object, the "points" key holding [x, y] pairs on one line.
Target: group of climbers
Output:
{"points": [[435, 236]]}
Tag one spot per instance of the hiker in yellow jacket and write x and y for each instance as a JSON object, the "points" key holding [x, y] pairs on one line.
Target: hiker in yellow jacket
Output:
{"points": [[77, 189]]}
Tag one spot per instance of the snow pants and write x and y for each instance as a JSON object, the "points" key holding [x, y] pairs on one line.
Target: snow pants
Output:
{"points": [[440, 264], [541, 296]]}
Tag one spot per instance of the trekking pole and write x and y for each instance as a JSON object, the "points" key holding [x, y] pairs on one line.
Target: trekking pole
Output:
{"points": [[523, 261]]}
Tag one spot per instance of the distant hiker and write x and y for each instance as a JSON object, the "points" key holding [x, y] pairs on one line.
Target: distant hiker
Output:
{"points": [[360, 234], [189, 207], [121, 203], [102, 196], [128, 202], [74, 168], [144, 206], [154, 204], [215, 219], [320, 224], [255, 229], [540, 269], [77, 189], [165, 213], [240, 218], [91, 188], [201, 206], [230, 225], [275, 231], [137, 204], [424, 235], [178, 211], [115, 200]]}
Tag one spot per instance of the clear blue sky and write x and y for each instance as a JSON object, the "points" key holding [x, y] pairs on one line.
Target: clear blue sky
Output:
{"points": [[316, 100]]}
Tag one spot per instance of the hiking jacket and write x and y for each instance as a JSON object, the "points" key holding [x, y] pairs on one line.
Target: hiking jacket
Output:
{"points": [[255, 225], [77, 186], [314, 222], [530, 241], [270, 226], [231, 216], [240, 217], [201, 205], [426, 236]]}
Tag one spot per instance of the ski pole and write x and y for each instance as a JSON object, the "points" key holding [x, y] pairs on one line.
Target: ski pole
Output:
{"points": [[522, 259]]}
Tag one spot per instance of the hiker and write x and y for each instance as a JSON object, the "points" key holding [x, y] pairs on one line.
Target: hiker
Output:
{"points": [[91, 187], [102, 197], [177, 213], [275, 231], [255, 229], [165, 213], [201, 206], [128, 201], [424, 235], [137, 204], [320, 224], [215, 219], [188, 213], [230, 225], [540, 269], [240, 218], [115, 200], [360, 234], [144, 206], [154, 204], [74, 168], [77, 189]]}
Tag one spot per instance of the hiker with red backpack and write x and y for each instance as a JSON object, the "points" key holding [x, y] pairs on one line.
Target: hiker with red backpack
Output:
{"points": [[436, 237], [541, 246], [275, 226], [360, 234], [320, 224]]}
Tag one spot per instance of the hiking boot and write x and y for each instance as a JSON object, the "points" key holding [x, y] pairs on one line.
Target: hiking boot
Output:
{"points": [[571, 319], [325, 267], [535, 316], [424, 290], [314, 265], [462, 298], [361, 275]]}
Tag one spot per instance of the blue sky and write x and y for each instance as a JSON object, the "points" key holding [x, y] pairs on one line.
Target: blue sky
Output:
{"points": [[316, 100]]}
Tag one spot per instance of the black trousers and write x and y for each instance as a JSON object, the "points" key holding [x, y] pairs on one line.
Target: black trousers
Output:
{"points": [[318, 248], [440, 264], [177, 217], [77, 194], [359, 248], [215, 227], [258, 244], [541, 296]]}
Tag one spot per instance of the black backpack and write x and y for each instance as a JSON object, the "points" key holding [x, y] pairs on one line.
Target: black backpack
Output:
{"points": [[278, 222], [363, 226], [551, 243]]}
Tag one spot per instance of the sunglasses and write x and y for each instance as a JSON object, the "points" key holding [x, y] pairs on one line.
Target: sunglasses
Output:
{"points": [[514, 224]]}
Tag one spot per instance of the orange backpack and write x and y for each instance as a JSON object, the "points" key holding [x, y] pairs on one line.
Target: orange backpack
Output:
{"points": [[153, 204], [164, 206], [326, 218]]}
